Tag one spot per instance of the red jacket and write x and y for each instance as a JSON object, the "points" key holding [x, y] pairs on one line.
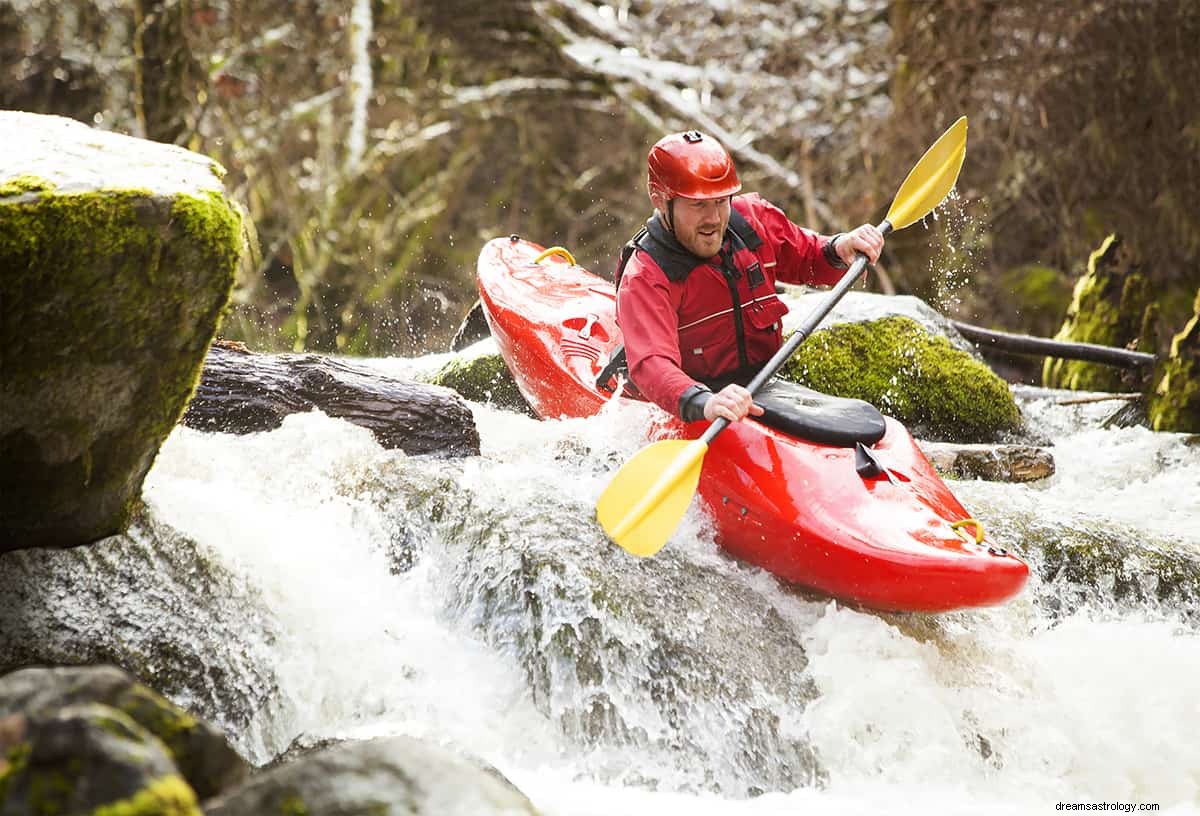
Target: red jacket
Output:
{"points": [[677, 312]]}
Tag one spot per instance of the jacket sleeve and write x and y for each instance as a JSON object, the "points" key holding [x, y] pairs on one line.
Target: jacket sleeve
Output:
{"points": [[648, 316], [803, 256]]}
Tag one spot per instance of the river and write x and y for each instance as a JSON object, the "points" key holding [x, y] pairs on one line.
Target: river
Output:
{"points": [[474, 602]]}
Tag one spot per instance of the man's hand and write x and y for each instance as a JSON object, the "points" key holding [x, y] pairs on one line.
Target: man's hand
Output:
{"points": [[732, 402], [866, 239]]}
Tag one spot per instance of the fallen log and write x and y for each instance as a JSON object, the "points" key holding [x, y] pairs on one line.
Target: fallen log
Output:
{"points": [[242, 392], [1041, 346]]}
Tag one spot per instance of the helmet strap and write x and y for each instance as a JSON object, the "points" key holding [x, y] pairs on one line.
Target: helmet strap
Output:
{"points": [[671, 215]]}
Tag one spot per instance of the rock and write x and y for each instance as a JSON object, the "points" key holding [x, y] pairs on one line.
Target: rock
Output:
{"points": [[480, 374], [616, 649], [152, 602], [200, 752], [938, 390], [119, 255], [1085, 565], [1174, 399], [242, 392], [390, 776], [88, 758], [992, 463], [1109, 308], [864, 307]]}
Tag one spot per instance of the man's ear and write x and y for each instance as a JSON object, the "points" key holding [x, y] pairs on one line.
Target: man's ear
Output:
{"points": [[658, 201]]}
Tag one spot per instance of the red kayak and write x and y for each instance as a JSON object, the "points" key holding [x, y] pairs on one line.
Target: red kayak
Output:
{"points": [[895, 538]]}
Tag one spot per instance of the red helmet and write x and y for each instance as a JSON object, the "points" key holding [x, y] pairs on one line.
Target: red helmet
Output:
{"points": [[691, 165]]}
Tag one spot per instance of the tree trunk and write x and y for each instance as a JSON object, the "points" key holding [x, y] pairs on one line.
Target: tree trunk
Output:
{"points": [[241, 392]]}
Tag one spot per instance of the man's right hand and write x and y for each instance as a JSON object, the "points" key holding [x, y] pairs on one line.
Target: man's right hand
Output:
{"points": [[732, 402]]}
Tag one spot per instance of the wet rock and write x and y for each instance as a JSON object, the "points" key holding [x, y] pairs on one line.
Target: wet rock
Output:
{"points": [[480, 374], [119, 255], [152, 602], [616, 650], [200, 752], [992, 463], [389, 777], [1082, 565], [87, 758]]}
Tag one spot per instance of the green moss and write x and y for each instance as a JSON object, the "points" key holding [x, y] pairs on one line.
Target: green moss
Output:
{"points": [[1108, 308], [160, 717], [50, 792], [167, 796], [1039, 295], [485, 378], [293, 805], [1174, 402], [16, 761], [104, 294], [25, 184], [1144, 573], [921, 380]]}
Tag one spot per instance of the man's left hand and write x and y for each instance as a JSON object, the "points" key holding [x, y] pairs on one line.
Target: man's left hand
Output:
{"points": [[865, 239]]}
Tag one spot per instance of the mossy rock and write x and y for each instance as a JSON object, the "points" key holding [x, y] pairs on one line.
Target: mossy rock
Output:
{"points": [[1081, 565], [90, 758], [385, 775], [1112, 305], [119, 256], [937, 390], [483, 377], [1174, 402], [200, 752]]}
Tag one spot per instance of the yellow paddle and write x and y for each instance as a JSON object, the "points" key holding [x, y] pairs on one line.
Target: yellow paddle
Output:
{"points": [[643, 504]]}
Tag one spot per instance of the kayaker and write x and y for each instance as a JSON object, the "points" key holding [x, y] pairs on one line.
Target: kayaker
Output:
{"points": [[696, 295]]}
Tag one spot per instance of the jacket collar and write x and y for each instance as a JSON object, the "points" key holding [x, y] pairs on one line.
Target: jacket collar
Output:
{"points": [[676, 261]]}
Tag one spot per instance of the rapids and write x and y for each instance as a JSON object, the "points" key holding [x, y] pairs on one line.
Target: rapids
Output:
{"points": [[475, 602]]}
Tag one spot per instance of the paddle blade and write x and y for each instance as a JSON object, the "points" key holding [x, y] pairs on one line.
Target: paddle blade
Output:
{"points": [[643, 504], [933, 177]]}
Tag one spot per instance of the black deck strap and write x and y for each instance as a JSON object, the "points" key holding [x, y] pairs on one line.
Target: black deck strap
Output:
{"points": [[616, 365], [808, 414]]}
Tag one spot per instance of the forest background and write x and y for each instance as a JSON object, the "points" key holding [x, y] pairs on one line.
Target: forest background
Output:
{"points": [[377, 144]]}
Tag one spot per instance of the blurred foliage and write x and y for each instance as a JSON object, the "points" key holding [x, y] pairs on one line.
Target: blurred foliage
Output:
{"points": [[377, 144], [1084, 120]]}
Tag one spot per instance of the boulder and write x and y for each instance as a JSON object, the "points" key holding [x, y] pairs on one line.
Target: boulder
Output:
{"points": [[119, 255], [1111, 306], [937, 389], [616, 650], [155, 603], [1173, 403], [87, 758], [479, 373], [387, 776], [1101, 565], [198, 751]]}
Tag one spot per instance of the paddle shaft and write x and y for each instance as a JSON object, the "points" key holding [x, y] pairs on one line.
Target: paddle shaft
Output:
{"points": [[801, 334]]}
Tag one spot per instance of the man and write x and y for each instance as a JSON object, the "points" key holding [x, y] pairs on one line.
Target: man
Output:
{"points": [[696, 295]]}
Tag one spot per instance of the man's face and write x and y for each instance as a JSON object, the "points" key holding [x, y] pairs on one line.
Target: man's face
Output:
{"points": [[699, 223]]}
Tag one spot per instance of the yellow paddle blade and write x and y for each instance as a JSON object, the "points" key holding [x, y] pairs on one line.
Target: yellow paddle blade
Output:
{"points": [[643, 504], [933, 177]]}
